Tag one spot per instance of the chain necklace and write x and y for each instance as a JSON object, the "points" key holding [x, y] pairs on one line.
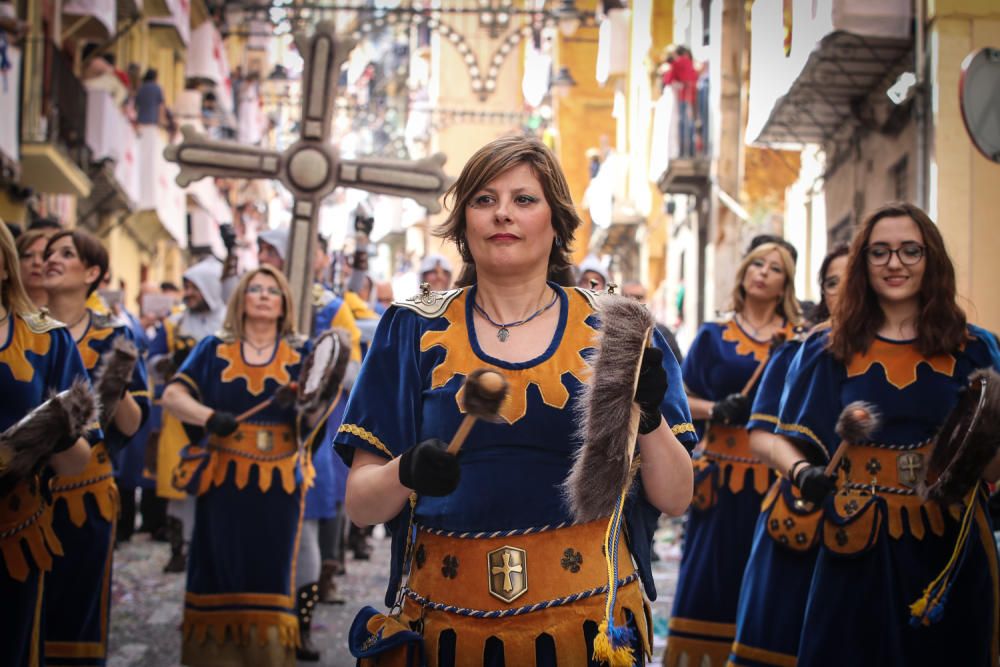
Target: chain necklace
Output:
{"points": [[503, 330], [756, 330], [258, 348]]}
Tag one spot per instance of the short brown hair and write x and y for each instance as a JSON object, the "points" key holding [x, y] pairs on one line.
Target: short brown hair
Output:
{"points": [[236, 310], [91, 251], [788, 306], [941, 323], [28, 239], [489, 162]]}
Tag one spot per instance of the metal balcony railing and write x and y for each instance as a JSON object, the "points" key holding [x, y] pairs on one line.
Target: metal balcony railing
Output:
{"points": [[55, 104]]}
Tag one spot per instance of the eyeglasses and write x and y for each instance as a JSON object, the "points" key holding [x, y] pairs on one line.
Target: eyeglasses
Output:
{"points": [[260, 289], [831, 285], [881, 254]]}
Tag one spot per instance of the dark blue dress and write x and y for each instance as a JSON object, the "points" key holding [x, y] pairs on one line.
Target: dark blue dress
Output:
{"points": [[85, 509], [730, 484], [37, 357], [511, 472], [779, 569], [881, 545]]}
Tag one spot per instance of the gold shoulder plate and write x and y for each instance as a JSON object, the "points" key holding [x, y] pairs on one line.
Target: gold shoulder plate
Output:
{"points": [[588, 294], [320, 295], [105, 321], [41, 322], [427, 303]]}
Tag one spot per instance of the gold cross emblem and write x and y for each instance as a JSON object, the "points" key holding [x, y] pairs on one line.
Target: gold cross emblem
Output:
{"points": [[910, 468], [508, 575]]}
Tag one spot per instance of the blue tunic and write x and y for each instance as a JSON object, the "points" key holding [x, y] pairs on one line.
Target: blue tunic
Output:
{"points": [[31, 365], [511, 472], [879, 551], [250, 489], [776, 579], [85, 508], [729, 487]]}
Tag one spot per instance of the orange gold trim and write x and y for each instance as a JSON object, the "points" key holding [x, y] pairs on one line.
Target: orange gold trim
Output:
{"points": [[686, 427], [230, 599], [198, 626], [707, 628], [772, 658], [899, 362], [367, 436], [256, 377]]}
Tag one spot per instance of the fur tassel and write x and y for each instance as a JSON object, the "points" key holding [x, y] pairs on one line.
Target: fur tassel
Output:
{"points": [[858, 421], [113, 376], [607, 413], [54, 425]]}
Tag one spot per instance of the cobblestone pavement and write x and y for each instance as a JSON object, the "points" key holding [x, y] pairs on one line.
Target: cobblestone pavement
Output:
{"points": [[146, 604]]}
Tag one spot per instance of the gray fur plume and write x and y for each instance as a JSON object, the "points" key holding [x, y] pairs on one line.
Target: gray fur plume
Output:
{"points": [[52, 426], [857, 422], [113, 376], [608, 416]]}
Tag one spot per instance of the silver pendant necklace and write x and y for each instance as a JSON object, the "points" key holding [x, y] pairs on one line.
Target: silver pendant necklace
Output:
{"points": [[503, 329]]}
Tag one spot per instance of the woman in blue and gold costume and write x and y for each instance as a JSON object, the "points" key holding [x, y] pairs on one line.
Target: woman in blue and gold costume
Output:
{"points": [[898, 340], [250, 477], [776, 579], [85, 505], [490, 520], [730, 481], [37, 356]]}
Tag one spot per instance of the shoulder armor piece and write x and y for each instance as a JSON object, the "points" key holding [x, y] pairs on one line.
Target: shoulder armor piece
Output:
{"points": [[295, 341], [588, 294], [799, 333], [41, 322], [225, 336], [427, 303]]}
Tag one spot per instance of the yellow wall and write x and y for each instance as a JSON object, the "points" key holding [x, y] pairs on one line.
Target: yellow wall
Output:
{"points": [[967, 195], [582, 117]]}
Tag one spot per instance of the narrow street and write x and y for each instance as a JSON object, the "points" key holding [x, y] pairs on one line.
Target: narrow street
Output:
{"points": [[146, 604]]}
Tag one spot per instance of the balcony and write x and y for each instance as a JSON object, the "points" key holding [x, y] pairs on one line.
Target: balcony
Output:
{"points": [[89, 20], [10, 154], [842, 52], [114, 151], [172, 30], [54, 152], [680, 161], [161, 209]]}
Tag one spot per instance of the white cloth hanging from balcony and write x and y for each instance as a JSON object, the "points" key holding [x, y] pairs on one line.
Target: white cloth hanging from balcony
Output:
{"points": [[665, 140]]}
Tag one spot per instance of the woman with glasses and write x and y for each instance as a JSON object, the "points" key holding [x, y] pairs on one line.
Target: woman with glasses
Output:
{"points": [[899, 341], [249, 475], [730, 481], [777, 575], [85, 506]]}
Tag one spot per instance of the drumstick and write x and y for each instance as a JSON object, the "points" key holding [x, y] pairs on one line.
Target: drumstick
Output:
{"points": [[281, 395], [856, 424], [482, 394], [776, 340]]}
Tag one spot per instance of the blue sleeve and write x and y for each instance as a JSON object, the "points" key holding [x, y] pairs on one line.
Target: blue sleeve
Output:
{"points": [[699, 361], [764, 413], [158, 346], [195, 372], [675, 406], [992, 348], [383, 415], [810, 401]]}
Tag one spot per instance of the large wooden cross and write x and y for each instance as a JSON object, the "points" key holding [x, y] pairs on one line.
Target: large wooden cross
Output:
{"points": [[311, 167]]}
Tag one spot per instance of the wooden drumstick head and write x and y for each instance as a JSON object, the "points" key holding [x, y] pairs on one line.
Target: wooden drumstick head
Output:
{"points": [[858, 422], [483, 393]]}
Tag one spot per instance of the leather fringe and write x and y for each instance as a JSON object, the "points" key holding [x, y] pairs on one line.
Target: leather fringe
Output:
{"points": [[40, 539], [200, 626]]}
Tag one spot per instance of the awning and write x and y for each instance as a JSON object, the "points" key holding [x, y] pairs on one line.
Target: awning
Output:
{"points": [[90, 19], [841, 51]]}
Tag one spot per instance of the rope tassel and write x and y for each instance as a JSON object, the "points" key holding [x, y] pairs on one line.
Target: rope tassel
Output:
{"points": [[613, 644]]}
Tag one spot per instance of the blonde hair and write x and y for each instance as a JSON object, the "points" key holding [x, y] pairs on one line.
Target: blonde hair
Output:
{"points": [[15, 298], [236, 310], [788, 305]]}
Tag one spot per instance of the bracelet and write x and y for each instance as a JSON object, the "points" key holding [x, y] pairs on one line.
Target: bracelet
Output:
{"points": [[792, 469]]}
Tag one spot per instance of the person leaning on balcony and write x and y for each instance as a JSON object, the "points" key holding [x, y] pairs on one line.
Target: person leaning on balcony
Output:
{"points": [[683, 76], [150, 106]]}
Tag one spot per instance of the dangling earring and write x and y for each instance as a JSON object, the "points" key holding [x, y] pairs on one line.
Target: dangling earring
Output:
{"points": [[558, 242]]}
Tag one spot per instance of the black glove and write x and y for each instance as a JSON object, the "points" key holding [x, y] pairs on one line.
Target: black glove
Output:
{"points": [[222, 423], [650, 390], [733, 410], [814, 483], [428, 469]]}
